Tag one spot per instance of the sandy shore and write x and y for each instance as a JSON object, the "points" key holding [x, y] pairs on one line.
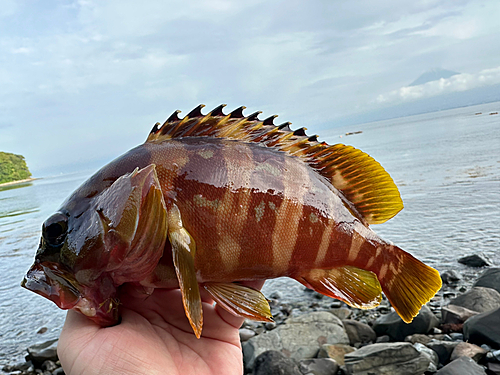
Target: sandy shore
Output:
{"points": [[17, 182]]}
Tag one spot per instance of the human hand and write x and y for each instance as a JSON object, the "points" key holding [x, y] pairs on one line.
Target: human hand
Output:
{"points": [[154, 337]]}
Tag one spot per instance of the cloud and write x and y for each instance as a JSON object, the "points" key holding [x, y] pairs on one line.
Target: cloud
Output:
{"points": [[456, 83], [87, 78]]}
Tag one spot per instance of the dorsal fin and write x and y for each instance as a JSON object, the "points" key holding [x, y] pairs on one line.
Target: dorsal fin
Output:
{"points": [[358, 176]]}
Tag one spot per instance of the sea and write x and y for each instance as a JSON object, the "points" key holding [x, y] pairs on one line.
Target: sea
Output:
{"points": [[446, 164]]}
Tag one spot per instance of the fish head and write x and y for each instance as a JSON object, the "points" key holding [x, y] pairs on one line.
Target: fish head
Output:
{"points": [[98, 241]]}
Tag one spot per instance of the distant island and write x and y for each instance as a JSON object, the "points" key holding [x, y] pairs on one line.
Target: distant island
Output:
{"points": [[13, 168]]}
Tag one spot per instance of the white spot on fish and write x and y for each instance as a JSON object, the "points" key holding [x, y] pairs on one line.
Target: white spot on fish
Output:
{"points": [[259, 211], [269, 168], [206, 154], [313, 218], [200, 201]]}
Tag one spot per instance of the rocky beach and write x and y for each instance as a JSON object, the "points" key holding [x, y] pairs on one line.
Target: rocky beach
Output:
{"points": [[457, 332]]}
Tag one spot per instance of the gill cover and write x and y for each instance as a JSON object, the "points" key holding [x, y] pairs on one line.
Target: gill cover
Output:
{"points": [[134, 220]]}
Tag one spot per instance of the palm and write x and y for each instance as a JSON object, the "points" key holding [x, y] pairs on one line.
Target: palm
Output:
{"points": [[153, 337]]}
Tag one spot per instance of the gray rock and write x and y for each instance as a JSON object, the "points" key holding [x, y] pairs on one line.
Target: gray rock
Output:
{"points": [[318, 366], [272, 362], [493, 356], [359, 333], [431, 354], [382, 339], [391, 324], [418, 338], [298, 338], [336, 352], [476, 260], [387, 359], [489, 279], [493, 367], [484, 329], [478, 299], [59, 371], [246, 334], [49, 366], [443, 349], [450, 277], [465, 349], [42, 352], [462, 366], [341, 312], [452, 314], [21, 366], [456, 336]]}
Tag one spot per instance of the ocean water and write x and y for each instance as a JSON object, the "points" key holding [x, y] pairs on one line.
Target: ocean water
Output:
{"points": [[446, 164]]}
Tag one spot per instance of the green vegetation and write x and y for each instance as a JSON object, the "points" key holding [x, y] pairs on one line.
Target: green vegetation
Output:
{"points": [[13, 168]]}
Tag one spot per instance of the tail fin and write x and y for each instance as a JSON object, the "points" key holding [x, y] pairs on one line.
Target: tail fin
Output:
{"points": [[411, 286]]}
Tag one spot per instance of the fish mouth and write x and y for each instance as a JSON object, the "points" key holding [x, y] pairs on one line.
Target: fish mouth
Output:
{"points": [[53, 282]]}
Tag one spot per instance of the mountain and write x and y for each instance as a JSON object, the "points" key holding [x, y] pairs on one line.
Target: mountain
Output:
{"points": [[433, 75], [479, 95], [13, 168]]}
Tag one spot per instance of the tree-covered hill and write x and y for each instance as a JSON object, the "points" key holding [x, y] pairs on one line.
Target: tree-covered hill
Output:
{"points": [[13, 168]]}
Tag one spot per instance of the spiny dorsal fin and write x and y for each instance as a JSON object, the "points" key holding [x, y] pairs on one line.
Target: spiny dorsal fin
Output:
{"points": [[362, 180]]}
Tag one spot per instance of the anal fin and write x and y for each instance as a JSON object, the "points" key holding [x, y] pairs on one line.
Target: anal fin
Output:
{"points": [[240, 300], [354, 286]]}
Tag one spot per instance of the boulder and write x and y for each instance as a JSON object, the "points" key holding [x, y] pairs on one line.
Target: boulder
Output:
{"points": [[297, 338], [450, 277], [39, 353], [476, 260], [484, 329], [336, 352], [272, 362], [452, 314], [465, 349], [387, 358], [462, 366], [478, 299], [391, 324], [431, 354], [359, 333], [489, 279], [443, 349], [318, 366]]}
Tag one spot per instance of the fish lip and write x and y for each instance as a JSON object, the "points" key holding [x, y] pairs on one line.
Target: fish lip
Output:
{"points": [[51, 281]]}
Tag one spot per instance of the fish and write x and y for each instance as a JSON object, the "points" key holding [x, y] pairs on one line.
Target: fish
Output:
{"points": [[210, 201]]}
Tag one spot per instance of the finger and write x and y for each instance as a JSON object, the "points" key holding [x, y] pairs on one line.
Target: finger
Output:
{"points": [[77, 321], [255, 284]]}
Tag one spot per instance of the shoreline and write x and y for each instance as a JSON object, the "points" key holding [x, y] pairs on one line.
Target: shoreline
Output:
{"points": [[11, 183]]}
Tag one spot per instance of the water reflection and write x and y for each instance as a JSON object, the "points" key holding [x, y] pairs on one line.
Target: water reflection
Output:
{"points": [[15, 186]]}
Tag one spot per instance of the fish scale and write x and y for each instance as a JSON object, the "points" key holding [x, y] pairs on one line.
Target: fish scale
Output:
{"points": [[209, 201]]}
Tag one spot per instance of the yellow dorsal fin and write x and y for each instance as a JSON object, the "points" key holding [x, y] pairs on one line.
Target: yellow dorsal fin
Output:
{"points": [[362, 180]]}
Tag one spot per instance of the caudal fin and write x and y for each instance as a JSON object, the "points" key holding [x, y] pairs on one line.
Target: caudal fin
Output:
{"points": [[410, 285]]}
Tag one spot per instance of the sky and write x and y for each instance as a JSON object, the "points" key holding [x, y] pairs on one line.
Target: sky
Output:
{"points": [[84, 81]]}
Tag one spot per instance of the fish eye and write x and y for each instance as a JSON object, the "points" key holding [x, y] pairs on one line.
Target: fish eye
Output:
{"points": [[54, 229]]}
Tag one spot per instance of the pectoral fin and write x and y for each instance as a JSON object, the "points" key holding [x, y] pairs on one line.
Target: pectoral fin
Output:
{"points": [[183, 249], [356, 287], [240, 300]]}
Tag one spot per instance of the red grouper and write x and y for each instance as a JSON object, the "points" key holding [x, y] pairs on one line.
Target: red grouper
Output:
{"points": [[212, 200]]}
